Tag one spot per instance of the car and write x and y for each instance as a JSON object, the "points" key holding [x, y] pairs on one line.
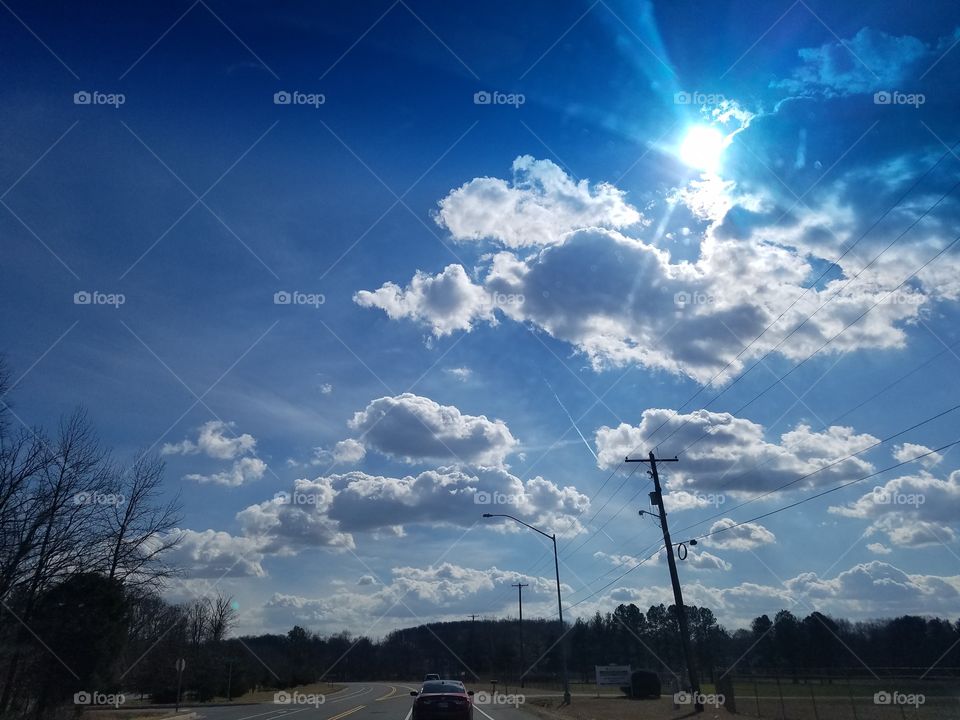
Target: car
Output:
{"points": [[430, 676], [442, 700]]}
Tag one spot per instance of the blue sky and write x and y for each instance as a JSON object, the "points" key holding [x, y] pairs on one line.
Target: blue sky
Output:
{"points": [[489, 271]]}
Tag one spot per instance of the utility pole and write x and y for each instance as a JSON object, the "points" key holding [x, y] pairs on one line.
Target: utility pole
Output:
{"points": [[523, 664], [656, 497]]}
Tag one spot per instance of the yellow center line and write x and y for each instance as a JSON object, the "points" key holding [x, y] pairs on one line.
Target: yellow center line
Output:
{"points": [[393, 691], [347, 712]]}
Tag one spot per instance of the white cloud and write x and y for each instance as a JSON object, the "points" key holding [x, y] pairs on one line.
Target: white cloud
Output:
{"points": [[731, 454], [287, 525], [460, 373], [748, 536], [879, 586], [212, 554], [536, 208], [215, 439], [913, 511], [451, 496], [446, 302], [326, 388], [415, 428], [879, 549], [349, 451], [908, 451], [622, 300], [242, 471]]}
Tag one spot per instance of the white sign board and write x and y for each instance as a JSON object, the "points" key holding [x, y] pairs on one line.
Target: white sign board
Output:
{"points": [[618, 675]]}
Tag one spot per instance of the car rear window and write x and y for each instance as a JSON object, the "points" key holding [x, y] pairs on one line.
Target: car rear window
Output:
{"points": [[435, 686]]}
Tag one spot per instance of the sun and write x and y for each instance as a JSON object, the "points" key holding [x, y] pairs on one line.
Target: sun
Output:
{"points": [[703, 147]]}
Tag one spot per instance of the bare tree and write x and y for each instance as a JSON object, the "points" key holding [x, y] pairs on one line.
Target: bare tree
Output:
{"points": [[223, 616], [139, 526]]}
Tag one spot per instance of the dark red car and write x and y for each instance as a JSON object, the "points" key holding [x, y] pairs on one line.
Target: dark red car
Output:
{"points": [[442, 700]]}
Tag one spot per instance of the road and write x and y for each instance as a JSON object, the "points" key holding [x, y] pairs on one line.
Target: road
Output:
{"points": [[358, 701]]}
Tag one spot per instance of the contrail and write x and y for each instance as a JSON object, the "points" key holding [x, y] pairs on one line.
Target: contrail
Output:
{"points": [[572, 422]]}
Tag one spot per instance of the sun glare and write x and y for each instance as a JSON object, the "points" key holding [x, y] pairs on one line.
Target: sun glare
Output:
{"points": [[702, 148]]}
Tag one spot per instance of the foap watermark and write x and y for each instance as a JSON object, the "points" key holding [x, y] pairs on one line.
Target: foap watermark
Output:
{"points": [[883, 496], [285, 697], [505, 699], [295, 97], [499, 299], [687, 698], [95, 97], [495, 97], [95, 297], [907, 298], [98, 498], [482, 497], [898, 698], [700, 99], [98, 698], [295, 297], [704, 499], [297, 498], [895, 97], [688, 299]]}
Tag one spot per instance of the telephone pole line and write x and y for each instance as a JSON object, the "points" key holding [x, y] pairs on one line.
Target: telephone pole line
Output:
{"points": [[523, 664], [656, 497]]}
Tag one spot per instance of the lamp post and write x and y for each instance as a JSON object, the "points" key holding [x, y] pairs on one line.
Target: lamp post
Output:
{"points": [[556, 567]]}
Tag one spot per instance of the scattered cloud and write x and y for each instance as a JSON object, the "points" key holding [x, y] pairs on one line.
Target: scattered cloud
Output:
{"points": [[748, 536], [242, 471], [414, 428], [536, 208], [722, 452], [215, 439], [913, 511]]}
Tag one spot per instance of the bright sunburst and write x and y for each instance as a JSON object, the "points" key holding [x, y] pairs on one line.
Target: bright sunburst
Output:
{"points": [[703, 147]]}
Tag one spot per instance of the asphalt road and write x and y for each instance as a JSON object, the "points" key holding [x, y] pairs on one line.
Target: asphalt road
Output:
{"points": [[358, 701]]}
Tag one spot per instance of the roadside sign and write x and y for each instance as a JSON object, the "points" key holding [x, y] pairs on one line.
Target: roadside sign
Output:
{"points": [[181, 664], [618, 675]]}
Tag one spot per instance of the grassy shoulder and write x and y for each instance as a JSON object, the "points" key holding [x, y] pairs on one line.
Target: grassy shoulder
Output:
{"points": [[263, 696], [617, 708]]}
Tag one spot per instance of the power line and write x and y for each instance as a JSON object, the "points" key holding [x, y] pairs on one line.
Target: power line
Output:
{"points": [[827, 492]]}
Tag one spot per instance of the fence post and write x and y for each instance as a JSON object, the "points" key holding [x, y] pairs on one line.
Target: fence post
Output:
{"points": [[783, 708], [756, 695], [813, 699], [853, 704]]}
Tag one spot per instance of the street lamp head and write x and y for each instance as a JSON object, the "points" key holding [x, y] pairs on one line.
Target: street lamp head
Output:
{"points": [[486, 515]]}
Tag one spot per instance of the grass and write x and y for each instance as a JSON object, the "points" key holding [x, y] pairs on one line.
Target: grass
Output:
{"points": [[262, 696]]}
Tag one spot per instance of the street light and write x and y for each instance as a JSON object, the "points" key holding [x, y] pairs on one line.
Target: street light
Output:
{"points": [[556, 567]]}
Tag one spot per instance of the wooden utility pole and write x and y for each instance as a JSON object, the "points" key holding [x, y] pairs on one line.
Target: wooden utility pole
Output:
{"points": [[523, 663], [656, 497]]}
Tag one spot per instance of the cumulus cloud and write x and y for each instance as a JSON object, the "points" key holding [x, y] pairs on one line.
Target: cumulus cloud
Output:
{"points": [[913, 511], [212, 554], [879, 549], [293, 521], [878, 586], [537, 207], [908, 451], [731, 536], [619, 299], [441, 592], [732, 453], [349, 451], [414, 428], [446, 302], [450, 496], [215, 439], [242, 471]]}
